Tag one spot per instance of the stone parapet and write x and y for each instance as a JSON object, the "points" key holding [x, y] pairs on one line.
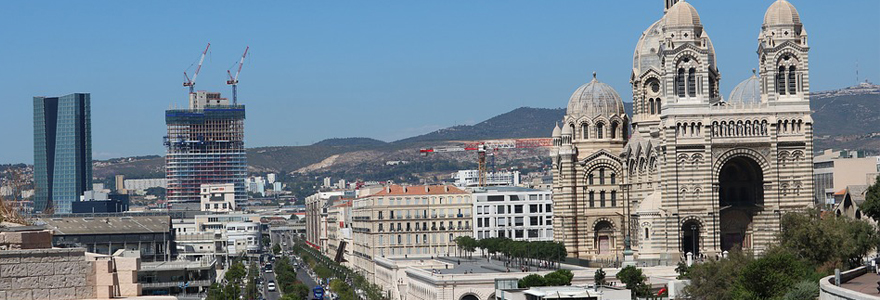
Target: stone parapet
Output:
{"points": [[38, 274]]}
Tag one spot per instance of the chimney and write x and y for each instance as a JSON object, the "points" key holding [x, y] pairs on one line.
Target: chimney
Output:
{"points": [[426, 189], [389, 189], [446, 188], [404, 189]]}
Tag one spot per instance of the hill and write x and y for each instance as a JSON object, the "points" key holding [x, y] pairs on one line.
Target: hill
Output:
{"points": [[845, 118]]}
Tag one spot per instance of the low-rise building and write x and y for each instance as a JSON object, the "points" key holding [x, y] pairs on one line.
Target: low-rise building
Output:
{"points": [[217, 237], [400, 221], [513, 212], [218, 197], [147, 233], [471, 178], [833, 171]]}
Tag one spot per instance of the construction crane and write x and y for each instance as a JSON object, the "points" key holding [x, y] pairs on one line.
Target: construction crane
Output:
{"points": [[191, 83], [482, 147], [233, 80]]}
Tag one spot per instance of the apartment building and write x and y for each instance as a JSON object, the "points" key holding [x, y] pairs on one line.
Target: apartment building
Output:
{"points": [[834, 170], [404, 221], [513, 212]]}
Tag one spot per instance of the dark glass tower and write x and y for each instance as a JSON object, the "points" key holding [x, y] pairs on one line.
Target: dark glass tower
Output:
{"points": [[62, 151]]}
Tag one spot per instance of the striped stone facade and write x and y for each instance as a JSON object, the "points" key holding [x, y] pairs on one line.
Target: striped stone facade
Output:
{"points": [[699, 173]]}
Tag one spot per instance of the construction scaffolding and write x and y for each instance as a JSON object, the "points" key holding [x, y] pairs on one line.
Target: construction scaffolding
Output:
{"points": [[205, 145]]}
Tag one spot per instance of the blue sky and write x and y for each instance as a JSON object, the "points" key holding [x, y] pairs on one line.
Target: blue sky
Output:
{"points": [[380, 69]]}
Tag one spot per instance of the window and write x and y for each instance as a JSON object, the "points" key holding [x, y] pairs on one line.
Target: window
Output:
{"points": [[467, 224], [692, 79], [381, 228], [519, 233], [792, 82], [207, 206], [656, 103], [590, 178], [479, 222], [613, 181], [451, 238], [518, 221], [501, 209], [646, 233], [548, 208], [780, 81], [592, 199], [533, 233], [651, 105], [614, 130], [425, 238], [518, 209], [602, 198], [613, 198], [601, 175], [501, 233], [399, 239], [534, 208], [599, 129], [380, 215], [533, 221], [679, 82], [585, 129]]}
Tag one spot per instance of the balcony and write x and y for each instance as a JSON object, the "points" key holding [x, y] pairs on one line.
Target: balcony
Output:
{"points": [[168, 284]]}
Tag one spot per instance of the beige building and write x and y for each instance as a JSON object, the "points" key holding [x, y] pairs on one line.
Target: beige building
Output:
{"points": [[401, 221], [699, 173], [218, 197], [834, 171], [339, 231]]}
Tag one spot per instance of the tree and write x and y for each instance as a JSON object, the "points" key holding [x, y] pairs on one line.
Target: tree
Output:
{"points": [[871, 206], [634, 280], [806, 289], [276, 249], [532, 280], [830, 241], [599, 277], [770, 276], [236, 272], [682, 270], [300, 290], [558, 278], [714, 279]]}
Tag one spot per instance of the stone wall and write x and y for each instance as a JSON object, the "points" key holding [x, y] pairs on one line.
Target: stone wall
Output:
{"points": [[38, 274], [18, 240]]}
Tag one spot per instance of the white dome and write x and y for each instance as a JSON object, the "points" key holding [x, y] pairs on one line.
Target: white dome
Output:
{"points": [[781, 12], [682, 14], [556, 131], [594, 99], [746, 92], [645, 56]]}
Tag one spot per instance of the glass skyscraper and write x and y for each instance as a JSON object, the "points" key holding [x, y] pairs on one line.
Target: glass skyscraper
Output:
{"points": [[62, 151]]}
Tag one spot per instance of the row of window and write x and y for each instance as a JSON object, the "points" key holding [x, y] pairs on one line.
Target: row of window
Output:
{"points": [[515, 234], [408, 226], [591, 181], [424, 200], [515, 221], [514, 209], [435, 213], [419, 239], [592, 198]]}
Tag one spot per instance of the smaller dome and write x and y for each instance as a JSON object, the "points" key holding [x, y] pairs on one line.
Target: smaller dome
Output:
{"points": [[747, 92], [781, 12], [556, 131], [682, 14], [566, 130], [594, 99]]}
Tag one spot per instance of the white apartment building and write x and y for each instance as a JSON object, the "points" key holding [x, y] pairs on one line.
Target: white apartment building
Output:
{"points": [[402, 221], [139, 186], [217, 236], [317, 207], [218, 197], [513, 212], [471, 178]]}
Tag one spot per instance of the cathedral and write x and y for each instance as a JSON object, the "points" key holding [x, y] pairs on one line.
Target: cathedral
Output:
{"points": [[690, 171]]}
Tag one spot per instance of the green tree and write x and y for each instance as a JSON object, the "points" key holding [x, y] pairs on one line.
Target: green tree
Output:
{"points": [[771, 276], [634, 280], [236, 272], [532, 280], [714, 279], [276, 249], [871, 206], [831, 241], [806, 289], [682, 270], [599, 277], [558, 278]]}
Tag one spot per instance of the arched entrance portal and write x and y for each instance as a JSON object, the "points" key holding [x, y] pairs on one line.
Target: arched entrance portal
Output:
{"points": [[470, 297], [602, 233], [690, 237], [740, 196]]}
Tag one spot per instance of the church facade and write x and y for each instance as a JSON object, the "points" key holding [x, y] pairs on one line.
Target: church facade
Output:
{"points": [[697, 173]]}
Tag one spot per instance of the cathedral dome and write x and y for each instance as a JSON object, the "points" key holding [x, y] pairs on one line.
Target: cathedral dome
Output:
{"points": [[556, 131], [781, 12], [682, 14], [645, 56], [746, 92], [594, 99]]}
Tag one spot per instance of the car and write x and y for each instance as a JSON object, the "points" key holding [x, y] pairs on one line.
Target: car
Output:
{"points": [[271, 287]]}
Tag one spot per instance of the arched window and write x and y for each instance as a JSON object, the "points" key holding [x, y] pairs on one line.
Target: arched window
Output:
{"points": [[585, 130], [592, 199], [657, 104], [599, 129], [602, 199], [780, 81], [651, 105], [626, 128], [613, 130], [646, 233], [792, 82], [613, 198], [613, 178], [692, 82], [679, 82], [601, 175]]}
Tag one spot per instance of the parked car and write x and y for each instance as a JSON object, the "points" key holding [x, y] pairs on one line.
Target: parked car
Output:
{"points": [[271, 286]]}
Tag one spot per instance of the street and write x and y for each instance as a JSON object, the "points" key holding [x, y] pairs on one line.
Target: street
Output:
{"points": [[301, 271]]}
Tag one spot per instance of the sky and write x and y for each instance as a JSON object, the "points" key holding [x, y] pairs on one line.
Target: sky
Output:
{"points": [[381, 69]]}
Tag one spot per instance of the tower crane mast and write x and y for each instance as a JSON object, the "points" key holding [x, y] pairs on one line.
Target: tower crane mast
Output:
{"points": [[192, 82], [233, 80]]}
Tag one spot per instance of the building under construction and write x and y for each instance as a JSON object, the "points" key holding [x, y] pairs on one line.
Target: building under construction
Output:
{"points": [[205, 145]]}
